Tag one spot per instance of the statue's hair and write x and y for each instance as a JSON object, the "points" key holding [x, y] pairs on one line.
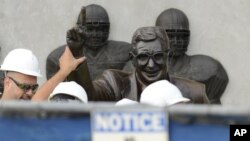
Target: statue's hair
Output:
{"points": [[147, 34]]}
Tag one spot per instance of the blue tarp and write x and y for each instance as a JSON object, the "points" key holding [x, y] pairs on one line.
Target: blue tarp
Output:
{"points": [[50, 129], [79, 129], [198, 132]]}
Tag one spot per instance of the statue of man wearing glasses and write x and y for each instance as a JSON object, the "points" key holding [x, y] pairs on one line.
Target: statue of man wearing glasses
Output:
{"points": [[149, 53]]}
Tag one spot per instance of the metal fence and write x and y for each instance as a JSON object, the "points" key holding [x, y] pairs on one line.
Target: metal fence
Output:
{"points": [[72, 121]]}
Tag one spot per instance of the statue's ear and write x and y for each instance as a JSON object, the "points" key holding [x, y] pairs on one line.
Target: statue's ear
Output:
{"points": [[82, 17], [133, 58]]}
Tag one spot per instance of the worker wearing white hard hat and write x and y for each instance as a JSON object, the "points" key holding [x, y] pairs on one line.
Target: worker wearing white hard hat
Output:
{"points": [[69, 91], [125, 101], [21, 69], [162, 93]]}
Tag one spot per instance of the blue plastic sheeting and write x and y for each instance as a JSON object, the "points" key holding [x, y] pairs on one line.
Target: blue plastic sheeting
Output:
{"points": [[51, 129], [198, 132], [78, 129]]}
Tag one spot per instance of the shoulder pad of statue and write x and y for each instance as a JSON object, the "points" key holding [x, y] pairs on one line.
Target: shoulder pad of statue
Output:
{"points": [[204, 59], [191, 89]]}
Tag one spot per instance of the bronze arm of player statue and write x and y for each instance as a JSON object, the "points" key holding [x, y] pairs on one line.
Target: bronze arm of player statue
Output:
{"points": [[90, 37]]}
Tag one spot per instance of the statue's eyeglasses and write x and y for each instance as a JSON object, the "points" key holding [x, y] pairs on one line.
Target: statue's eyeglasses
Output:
{"points": [[25, 87], [158, 57]]}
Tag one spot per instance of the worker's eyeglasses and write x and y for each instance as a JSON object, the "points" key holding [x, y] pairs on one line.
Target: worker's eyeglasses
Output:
{"points": [[25, 87], [143, 58]]}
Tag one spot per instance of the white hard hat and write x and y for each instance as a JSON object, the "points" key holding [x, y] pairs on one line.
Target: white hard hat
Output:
{"points": [[70, 88], [22, 61], [125, 101], [162, 93]]}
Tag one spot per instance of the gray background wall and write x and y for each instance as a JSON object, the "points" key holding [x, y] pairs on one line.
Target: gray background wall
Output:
{"points": [[218, 29]]}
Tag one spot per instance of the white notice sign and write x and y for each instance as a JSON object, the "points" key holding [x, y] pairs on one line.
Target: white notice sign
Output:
{"points": [[129, 126]]}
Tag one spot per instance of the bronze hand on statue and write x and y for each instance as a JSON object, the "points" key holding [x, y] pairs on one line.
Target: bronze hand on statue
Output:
{"points": [[75, 39]]}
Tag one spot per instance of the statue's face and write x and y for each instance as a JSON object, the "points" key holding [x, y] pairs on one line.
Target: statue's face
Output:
{"points": [[179, 40], [150, 61], [97, 34]]}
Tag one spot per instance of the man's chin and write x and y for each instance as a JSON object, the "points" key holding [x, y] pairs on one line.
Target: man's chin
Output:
{"points": [[152, 77], [94, 46]]}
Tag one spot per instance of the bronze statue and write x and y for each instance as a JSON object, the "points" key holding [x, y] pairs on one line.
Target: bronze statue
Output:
{"points": [[149, 53], [90, 38], [200, 68]]}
